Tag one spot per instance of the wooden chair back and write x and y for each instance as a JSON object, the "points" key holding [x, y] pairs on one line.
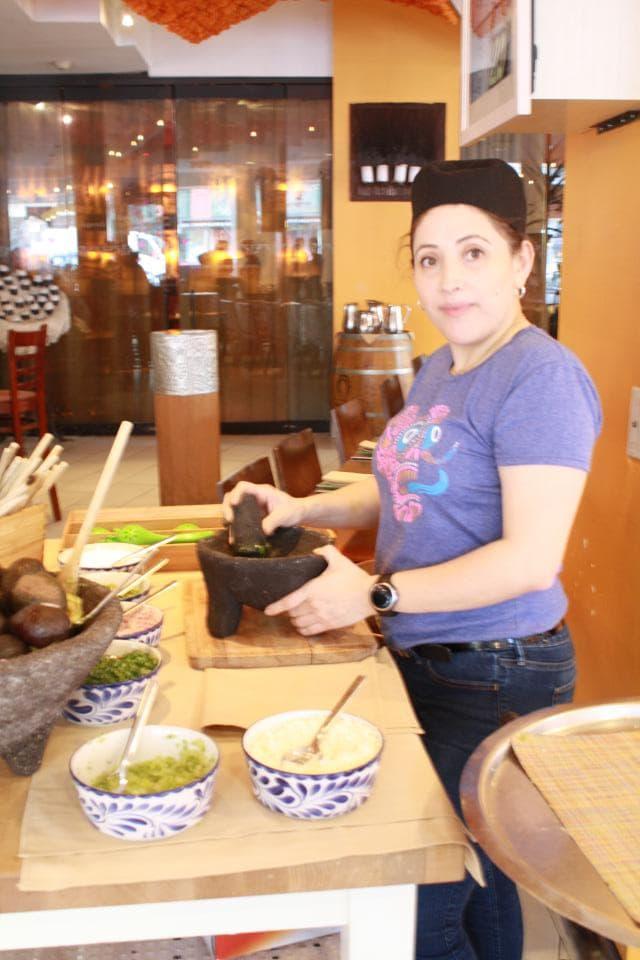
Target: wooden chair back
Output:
{"points": [[417, 363], [258, 471], [297, 464], [349, 426], [392, 398], [24, 405], [26, 357]]}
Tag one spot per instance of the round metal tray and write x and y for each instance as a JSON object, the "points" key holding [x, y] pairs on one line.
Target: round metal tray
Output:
{"points": [[516, 827]]}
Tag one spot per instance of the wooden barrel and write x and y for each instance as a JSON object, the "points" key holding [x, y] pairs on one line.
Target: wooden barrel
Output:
{"points": [[362, 361]]}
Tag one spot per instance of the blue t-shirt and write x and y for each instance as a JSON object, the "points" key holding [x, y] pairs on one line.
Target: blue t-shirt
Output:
{"points": [[531, 402]]}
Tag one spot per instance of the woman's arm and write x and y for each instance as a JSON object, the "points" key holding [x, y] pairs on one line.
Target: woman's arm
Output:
{"points": [[355, 505], [539, 504]]}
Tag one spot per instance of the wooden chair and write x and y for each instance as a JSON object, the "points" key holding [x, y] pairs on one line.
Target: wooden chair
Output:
{"points": [[297, 464], [392, 398], [23, 406], [349, 426], [417, 363], [258, 471]]}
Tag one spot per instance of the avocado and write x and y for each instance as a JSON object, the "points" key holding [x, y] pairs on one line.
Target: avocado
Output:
{"points": [[11, 646], [40, 624], [17, 569], [39, 587]]}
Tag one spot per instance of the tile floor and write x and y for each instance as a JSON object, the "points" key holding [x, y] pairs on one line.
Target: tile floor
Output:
{"points": [[136, 484]]}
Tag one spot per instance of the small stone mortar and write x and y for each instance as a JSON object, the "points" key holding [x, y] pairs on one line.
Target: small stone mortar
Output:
{"points": [[34, 687], [255, 581]]}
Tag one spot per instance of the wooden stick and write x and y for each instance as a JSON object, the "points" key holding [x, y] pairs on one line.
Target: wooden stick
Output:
{"points": [[12, 504], [69, 574], [10, 473], [44, 483], [31, 463], [8, 454], [49, 461], [22, 475], [128, 584]]}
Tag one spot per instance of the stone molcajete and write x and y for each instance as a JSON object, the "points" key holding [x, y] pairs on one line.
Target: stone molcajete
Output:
{"points": [[34, 687], [254, 569]]}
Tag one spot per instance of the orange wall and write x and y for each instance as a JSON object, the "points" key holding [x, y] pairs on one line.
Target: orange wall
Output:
{"points": [[385, 52], [600, 320]]}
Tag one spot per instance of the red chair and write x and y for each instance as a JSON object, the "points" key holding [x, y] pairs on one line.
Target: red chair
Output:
{"points": [[23, 406], [297, 464]]}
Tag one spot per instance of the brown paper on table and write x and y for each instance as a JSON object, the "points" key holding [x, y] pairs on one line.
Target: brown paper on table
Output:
{"points": [[237, 698], [592, 783], [59, 848]]}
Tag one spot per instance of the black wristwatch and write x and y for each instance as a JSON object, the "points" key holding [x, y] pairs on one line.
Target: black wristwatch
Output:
{"points": [[383, 596]]}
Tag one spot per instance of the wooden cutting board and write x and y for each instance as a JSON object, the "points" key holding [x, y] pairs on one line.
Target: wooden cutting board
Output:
{"points": [[265, 641]]}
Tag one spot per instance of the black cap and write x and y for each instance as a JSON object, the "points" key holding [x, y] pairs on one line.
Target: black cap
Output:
{"points": [[491, 185]]}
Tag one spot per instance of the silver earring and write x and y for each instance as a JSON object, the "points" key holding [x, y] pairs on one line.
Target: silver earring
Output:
{"points": [[521, 291]]}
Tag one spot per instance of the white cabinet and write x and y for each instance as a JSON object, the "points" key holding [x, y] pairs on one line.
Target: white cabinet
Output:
{"points": [[547, 65]]}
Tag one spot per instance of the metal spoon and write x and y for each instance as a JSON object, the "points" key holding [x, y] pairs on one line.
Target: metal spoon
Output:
{"points": [[312, 749], [142, 713], [146, 551], [150, 596]]}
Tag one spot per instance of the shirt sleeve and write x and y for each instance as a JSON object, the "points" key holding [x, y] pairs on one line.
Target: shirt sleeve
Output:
{"points": [[551, 415]]}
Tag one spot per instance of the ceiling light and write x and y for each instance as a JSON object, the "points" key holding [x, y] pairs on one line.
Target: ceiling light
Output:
{"points": [[110, 185], [311, 129], [159, 123], [118, 153], [134, 143], [126, 20], [194, 149], [67, 119], [140, 136], [40, 106], [56, 189], [69, 187], [529, 181], [253, 133]]}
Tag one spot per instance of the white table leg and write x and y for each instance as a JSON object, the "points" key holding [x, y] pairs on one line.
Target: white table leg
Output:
{"points": [[381, 924]]}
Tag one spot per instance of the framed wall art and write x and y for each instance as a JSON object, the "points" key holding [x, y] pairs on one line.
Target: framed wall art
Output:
{"points": [[496, 81], [390, 142]]}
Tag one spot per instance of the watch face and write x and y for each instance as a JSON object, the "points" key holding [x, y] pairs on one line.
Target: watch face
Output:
{"points": [[383, 596]]}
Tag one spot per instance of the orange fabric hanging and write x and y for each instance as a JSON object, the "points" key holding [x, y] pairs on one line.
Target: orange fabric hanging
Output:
{"points": [[195, 20]]}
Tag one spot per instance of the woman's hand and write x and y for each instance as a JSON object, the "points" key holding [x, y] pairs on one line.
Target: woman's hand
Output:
{"points": [[339, 597], [282, 509]]}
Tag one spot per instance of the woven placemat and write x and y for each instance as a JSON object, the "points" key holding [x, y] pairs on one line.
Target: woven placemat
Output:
{"points": [[592, 783]]}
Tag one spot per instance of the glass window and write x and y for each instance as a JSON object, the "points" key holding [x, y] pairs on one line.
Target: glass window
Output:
{"points": [[225, 202]]}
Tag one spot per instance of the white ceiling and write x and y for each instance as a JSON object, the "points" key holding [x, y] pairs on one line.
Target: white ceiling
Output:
{"points": [[292, 38]]}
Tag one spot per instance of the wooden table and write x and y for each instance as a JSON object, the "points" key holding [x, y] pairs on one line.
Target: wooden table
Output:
{"points": [[346, 892]]}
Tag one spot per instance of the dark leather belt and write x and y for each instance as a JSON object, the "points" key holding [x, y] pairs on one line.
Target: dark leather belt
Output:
{"points": [[444, 651]]}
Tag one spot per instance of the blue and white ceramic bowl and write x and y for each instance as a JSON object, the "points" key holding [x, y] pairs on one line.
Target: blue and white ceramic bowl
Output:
{"points": [[144, 623], [307, 795], [98, 704], [104, 556], [147, 816]]}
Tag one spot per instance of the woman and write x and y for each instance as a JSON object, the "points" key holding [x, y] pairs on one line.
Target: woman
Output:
{"points": [[478, 482]]}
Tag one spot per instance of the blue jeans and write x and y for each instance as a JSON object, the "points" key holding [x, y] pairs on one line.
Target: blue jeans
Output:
{"points": [[459, 703]]}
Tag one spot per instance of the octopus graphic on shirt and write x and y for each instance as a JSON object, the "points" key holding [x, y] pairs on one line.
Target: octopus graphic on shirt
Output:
{"points": [[407, 457]]}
